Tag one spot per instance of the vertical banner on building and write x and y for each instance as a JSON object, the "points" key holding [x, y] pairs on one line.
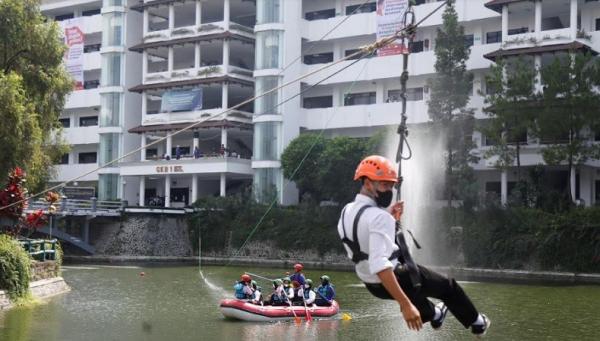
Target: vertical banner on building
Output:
{"points": [[390, 19], [74, 39]]}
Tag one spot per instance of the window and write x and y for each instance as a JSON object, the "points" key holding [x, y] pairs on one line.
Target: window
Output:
{"points": [[519, 30], [268, 49], [182, 150], [416, 46], [267, 104], [91, 48], [64, 159], [112, 35], [362, 98], [111, 69], [322, 14], [110, 112], [266, 141], [412, 94], [65, 122], [493, 187], [268, 11], [87, 157], [151, 153], [469, 40], [365, 8], [493, 37], [88, 121], [93, 84], [489, 89], [63, 17], [353, 51], [489, 141], [318, 58], [598, 24], [318, 102], [109, 147], [90, 12]]}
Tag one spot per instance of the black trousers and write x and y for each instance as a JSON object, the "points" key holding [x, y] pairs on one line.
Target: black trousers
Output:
{"points": [[432, 285]]}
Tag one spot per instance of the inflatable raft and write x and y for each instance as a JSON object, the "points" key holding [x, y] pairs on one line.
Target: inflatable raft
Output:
{"points": [[242, 310]]}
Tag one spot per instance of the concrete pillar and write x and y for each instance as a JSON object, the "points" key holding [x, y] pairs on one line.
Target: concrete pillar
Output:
{"points": [[573, 182], [144, 103], [337, 97], [169, 145], [194, 188], [537, 59], [144, 65], [504, 23], [170, 60], [198, 12], [143, 146], [573, 28], [146, 21], [226, 13], [224, 96], [223, 185], [224, 136], [226, 55], [538, 19], [171, 16], [168, 190], [337, 50], [339, 7], [504, 187], [197, 55], [380, 93], [195, 141], [142, 201]]}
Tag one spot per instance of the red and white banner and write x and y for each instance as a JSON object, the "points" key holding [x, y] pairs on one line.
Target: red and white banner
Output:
{"points": [[390, 19], [74, 39]]}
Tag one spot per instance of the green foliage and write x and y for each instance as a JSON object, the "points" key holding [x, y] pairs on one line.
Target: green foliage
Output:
{"points": [[33, 86], [569, 112], [15, 268], [225, 223], [510, 110], [525, 238], [450, 91], [327, 171]]}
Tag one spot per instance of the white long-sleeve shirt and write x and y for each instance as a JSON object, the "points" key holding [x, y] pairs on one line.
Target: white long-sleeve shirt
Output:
{"points": [[376, 237], [312, 296]]}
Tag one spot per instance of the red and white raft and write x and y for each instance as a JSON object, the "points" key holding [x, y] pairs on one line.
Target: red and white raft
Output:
{"points": [[242, 310]]}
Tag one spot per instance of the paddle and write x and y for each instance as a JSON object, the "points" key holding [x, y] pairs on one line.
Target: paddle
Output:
{"points": [[259, 276], [297, 319], [308, 317]]}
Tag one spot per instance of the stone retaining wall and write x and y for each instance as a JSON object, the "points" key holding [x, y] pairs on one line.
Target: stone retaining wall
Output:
{"points": [[44, 270], [39, 289]]}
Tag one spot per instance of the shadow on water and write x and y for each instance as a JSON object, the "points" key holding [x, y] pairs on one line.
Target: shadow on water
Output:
{"points": [[174, 303]]}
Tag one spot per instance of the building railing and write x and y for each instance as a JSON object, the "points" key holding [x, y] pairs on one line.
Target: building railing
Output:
{"points": [[92, 205], [40, 249]]}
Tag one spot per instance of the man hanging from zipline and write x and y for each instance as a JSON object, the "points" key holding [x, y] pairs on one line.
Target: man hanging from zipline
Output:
{"points": [[382, 260]]}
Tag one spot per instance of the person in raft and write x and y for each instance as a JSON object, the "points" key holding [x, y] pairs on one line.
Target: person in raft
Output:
{"points": [[298, 277], [382, 259], [243, 289], [278, 297], [325, 292], [306, 293], [287, 288], [256, 293]]}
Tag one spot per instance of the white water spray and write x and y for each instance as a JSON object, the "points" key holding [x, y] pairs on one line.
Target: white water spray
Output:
{"points": [[423, 183]]}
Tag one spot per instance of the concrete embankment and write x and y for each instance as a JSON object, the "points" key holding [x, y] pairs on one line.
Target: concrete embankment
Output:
{"points": [[460, 273], [39, 289]]}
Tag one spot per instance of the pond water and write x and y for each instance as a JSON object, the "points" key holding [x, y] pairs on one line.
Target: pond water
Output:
{"points": [[175, 303]]}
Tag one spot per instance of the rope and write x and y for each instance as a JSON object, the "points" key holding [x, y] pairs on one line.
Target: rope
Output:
{"points": [[322, 131]]}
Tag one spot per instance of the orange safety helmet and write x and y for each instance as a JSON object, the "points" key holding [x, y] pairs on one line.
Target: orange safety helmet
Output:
{"points": [[298, 267], [376, 168], [246, 278]]}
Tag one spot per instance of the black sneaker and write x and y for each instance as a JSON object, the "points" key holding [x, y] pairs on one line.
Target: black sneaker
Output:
{"points": [[480, 330], [437, 324]]}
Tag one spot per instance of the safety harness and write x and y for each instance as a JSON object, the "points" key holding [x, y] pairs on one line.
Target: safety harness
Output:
{"points": [[353, 245]]}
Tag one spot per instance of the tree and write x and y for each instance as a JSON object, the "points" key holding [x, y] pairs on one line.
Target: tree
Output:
{"points": [[306, 176], [326, 172], [450, 91], [510, 110], [33, 86], [569, 112]]}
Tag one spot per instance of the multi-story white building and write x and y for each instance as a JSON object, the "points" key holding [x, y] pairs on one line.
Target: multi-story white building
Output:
{"points": [[219, 53]]}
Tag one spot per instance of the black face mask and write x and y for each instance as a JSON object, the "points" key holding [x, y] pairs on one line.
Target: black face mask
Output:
{"points": [[384, 199]]}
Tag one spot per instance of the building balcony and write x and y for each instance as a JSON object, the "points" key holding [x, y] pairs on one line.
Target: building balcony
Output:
{"points": [[83, 99], [92, 24], [81, 135], [421, 63], [208, 29], [92, 61], [213, 71], [194, 116], [207, 165], [69, 172]]}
